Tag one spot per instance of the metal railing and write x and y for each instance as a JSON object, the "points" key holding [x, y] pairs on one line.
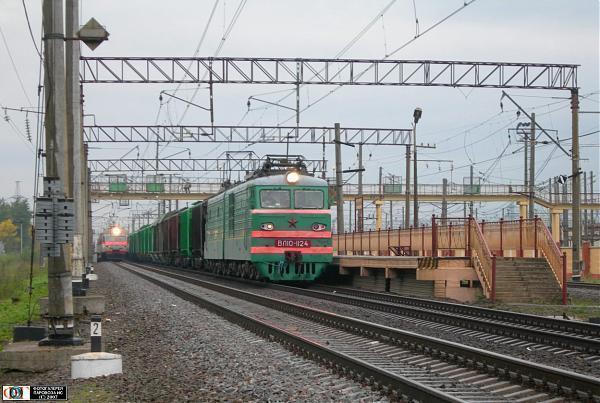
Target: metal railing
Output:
{"points": [[482, 259], [458, 189], [150, 186], [553, 255]]}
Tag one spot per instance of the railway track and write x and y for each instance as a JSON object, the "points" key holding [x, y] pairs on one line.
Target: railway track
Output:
{"points": [[410, 365], [540, 333], [584, 286], [538, 330]]}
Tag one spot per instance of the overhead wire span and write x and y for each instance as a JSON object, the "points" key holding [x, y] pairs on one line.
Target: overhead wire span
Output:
{"points": [[30, 30], [416, 18], [476, 141], [37, 173], [226, 34], [200, 42], [465, 4], [341, 52], [14, 66]]}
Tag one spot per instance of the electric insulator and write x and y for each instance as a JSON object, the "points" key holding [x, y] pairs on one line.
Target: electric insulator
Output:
{"points": [[27, 128]]}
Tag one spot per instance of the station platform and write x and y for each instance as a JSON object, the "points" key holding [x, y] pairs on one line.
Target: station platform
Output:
{"points": [[461, 259]]}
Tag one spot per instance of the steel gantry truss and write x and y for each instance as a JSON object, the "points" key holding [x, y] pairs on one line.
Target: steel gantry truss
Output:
{"points": [[425, 73], [245, 134], [222, 70], [191, 164]]}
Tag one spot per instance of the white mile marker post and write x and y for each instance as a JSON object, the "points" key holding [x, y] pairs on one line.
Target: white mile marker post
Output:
{"points": [[95, 363], [96, 333]]}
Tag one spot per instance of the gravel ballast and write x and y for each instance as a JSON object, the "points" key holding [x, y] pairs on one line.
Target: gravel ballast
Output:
{"points": [[175, 351], [513, 348]]}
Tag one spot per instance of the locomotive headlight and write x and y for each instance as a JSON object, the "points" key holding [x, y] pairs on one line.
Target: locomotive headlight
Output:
{"points": [[115, 231], [292, 177], [318, 227], [267, 226]]}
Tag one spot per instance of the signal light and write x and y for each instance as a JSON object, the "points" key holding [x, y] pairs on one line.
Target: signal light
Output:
{"points": [[318, 227], [267, 226]]}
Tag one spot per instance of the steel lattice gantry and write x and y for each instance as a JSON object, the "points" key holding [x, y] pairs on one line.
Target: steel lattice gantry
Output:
{"points": [[327, 71], [244, 134], [192, 164]]}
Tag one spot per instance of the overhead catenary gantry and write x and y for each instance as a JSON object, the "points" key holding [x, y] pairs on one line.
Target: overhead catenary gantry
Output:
{"points": [[365, 72], [245, 134], [189, 164], [242, 70]]}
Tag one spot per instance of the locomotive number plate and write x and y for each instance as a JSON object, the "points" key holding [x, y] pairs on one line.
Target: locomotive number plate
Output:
{"points": [[292, 243]]}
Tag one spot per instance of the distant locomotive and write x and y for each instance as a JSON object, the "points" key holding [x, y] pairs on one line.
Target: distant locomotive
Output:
{"points": [[276, 225], [112, 244]]}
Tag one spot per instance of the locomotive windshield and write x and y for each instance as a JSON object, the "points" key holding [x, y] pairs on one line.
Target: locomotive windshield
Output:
{"points": [[308, 199], [275, 198]]}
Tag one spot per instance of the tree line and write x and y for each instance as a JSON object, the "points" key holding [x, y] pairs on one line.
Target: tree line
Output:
{"points": [[15, 221]]}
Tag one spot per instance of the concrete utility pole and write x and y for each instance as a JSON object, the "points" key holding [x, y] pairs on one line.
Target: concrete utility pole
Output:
{"points": [[531, 213], [416, 116], [592, 213], [471, 191], [89, 229], [526, 157], [75, 135], [407, 190], [379, 201], [444, 201], [565, 223], [60, 295], [338, 180], [359, 211], [576, 185], [350, 216], [585, 212], [323, 174]]}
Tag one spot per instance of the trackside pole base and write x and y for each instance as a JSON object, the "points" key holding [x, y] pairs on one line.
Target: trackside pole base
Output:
{"points": [[78, 289], [29, 333], [60, 332], [61, 340], [28, 356], [91, 365]]}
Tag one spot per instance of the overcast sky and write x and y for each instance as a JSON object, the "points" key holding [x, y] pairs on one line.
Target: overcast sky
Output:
{"points": [[467, 125]]}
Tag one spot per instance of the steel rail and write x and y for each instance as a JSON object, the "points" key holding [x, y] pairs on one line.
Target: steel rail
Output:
{"points": [[343, 363], [553, 379], [583, 336], [517, 318], [584, 286]]}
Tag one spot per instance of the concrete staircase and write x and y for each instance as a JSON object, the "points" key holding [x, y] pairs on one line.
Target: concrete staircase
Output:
{"points": [[528, 280]]}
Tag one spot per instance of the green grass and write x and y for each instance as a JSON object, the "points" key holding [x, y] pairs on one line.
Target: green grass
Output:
{"points": [[14, 268], [14, 296]]}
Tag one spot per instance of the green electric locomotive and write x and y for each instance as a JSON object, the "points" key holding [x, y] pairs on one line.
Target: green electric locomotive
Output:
{"points": [[276, 225]]}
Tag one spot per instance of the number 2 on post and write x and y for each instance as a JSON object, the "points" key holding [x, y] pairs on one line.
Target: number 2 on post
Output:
{"points": [[96, 329]]}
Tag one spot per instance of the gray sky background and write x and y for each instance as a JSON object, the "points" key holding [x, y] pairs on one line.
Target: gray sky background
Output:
{"points": [[466, 124]]}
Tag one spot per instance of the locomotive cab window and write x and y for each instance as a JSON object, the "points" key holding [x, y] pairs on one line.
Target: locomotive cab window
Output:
{"points": [[308, 199], [275, 198]]}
